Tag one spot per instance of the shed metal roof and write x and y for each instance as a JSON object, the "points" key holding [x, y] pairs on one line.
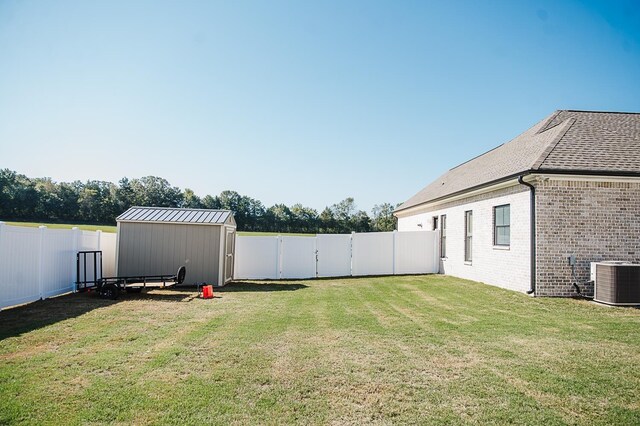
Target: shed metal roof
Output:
{"points": [[175, 215]]}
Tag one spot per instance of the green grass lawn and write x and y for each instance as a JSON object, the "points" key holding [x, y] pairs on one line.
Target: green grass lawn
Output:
{"points": [[105, 228], [274, 234], [413, 349], [110, 228]]}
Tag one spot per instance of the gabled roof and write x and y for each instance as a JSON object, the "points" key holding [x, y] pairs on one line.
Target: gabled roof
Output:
{"points": [[175, 215], [584, 142]]}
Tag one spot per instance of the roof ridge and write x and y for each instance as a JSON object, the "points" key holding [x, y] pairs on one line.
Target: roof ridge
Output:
{"points": [[546, 126], [601, 112], [554, 142], [478, 156], [178, 208]]}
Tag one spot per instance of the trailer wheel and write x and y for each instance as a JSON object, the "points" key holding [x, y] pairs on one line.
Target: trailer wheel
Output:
{"points": [[110, 291], [133, 289], [182, 272]]}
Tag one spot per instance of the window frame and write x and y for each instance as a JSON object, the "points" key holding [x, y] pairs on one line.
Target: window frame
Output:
{"points": [[468, 236], [443, 236], [496, 227]]}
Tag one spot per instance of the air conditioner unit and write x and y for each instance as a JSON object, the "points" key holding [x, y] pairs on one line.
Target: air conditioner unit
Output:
{"points": [[616, 283]]}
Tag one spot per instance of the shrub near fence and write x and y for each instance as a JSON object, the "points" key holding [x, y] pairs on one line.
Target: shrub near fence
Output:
{"points": [[357, 254], [36, 263]]}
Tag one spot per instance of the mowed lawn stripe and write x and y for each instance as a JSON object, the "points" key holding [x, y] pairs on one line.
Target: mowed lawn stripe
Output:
{"points": [[426, 349]]}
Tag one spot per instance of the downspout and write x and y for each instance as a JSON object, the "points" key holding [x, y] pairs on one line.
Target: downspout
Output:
{"points": [[532, 215]]}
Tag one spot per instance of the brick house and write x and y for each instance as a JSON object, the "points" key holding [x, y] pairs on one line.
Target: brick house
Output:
{"points": [[568, 186]]}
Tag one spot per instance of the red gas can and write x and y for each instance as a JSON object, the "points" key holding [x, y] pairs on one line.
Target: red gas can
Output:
{"points": [[207, 292]]}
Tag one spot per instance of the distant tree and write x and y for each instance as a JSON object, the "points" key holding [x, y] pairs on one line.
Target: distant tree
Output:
{"points": [[305, 219], [360, 222], [233, 201], [42, 199], [328, 222], [343, 213], [18, 195], [126, 195], [156, 191], [209, 202], [68, 203], [7, 183], [49, 203], [255, 211], [97, 202], [191, 200], [383, 218], [282, 218]]}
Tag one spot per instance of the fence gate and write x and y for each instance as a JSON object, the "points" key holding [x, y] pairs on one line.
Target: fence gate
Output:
{"points": [[298, 257], [334, 255]]}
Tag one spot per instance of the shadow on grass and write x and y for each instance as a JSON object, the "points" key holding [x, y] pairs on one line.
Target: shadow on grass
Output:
{"points": [[29, 317], [32, 316], [259, 286], [25, 318]]}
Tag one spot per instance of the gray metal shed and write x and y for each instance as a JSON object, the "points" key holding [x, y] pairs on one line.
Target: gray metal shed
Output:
{"points": [[158, 240]]}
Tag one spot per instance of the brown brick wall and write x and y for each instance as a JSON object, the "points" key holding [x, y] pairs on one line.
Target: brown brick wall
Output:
{"points": [[592, 220]]}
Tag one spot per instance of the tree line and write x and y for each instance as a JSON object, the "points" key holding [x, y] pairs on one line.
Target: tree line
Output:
{"points": [[99, 202]]}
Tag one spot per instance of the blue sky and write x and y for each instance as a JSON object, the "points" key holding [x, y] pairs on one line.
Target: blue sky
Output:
{"points": [[298, 101]]}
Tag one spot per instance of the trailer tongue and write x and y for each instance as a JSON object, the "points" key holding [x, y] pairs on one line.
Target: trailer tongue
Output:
{"points": [[89, 273]]}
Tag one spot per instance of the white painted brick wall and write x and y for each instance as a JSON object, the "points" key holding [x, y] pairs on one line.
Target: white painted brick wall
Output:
{"points": [[506, 268]]}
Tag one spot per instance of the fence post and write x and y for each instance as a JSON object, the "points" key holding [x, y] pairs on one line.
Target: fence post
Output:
{"points": [[40, 261], [351, 251], [2, 225], [395, 251], [279, 257], [315, 251], [75, 238], [99, 235]]}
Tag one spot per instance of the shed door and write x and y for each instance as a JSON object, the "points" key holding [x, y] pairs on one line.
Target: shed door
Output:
{"points": [[229, 250]]}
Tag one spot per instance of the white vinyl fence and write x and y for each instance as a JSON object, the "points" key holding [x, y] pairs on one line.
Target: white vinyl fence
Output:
{"points": [[36, 263], [325, 255]]}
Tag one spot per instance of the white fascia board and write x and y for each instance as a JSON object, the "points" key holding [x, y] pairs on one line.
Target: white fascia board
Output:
{"points": [[429, 206], [530, 178]]}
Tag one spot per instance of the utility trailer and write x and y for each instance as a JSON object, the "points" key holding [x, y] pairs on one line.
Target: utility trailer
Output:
{"points": [[89, 273]]}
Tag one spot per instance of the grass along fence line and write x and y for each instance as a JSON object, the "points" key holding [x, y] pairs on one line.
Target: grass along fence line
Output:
{"points": [[104, 228], [111, 228], [413, 349]]}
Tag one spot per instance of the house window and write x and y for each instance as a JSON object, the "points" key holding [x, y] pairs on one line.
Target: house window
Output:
{"points": [[502, 225], [435, 223], [468, 235], [443, 235]]}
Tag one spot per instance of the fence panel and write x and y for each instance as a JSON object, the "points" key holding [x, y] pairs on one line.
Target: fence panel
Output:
{"points": [[39, 262], [58, 261], [416, 252], [372, 253], [89, 240], [19, 265], [257, 257], [334, 255], [108, 247], [298, 256]]}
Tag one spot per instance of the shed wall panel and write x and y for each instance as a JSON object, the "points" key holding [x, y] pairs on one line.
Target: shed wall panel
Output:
{"points": [[160, 248]]}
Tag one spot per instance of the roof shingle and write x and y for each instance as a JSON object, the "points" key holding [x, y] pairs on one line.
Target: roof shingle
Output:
{"points": [[581, 141]]}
